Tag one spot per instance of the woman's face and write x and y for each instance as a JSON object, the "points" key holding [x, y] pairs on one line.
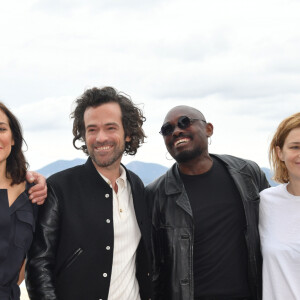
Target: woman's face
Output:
{"points": [[290, 154], [6, 137]]}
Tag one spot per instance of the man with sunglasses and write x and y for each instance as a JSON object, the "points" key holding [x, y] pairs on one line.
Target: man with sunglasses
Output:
{"points": [[204, 217]]}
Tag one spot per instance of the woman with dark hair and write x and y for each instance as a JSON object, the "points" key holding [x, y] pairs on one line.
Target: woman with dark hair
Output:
{"points": [[279, 215], [17, 213]]}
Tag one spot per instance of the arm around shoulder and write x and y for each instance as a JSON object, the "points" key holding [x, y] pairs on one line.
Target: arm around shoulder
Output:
{"points": [[40, 266], [38, 192]]}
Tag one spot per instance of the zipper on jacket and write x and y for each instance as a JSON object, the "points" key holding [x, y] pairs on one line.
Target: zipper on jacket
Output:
{"points": [[68, 262]]}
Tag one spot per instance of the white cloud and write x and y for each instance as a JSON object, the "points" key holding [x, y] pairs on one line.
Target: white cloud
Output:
{"points": [[46, 115], [237, 61]]}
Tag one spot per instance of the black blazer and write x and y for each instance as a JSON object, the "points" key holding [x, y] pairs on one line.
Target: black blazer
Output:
{"points": [[68, 259]]}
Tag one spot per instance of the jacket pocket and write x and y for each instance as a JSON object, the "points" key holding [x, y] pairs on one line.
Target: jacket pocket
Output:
{"points": [[69, 261], [25, 227]]}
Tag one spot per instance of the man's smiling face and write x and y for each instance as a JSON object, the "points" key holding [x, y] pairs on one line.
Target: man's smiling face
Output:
{"points": [[188, 143], [104, 134]]}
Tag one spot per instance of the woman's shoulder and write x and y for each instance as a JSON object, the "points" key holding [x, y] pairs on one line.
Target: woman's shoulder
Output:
{"points": [[14, 191], [273, 191], [21, 187]]}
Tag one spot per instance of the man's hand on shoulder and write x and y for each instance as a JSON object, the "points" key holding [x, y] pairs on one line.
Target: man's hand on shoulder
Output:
{"points": [[38, 192]]}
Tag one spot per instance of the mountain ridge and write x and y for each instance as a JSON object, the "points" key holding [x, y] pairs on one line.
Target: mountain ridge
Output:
{"points": [[148, 172]]}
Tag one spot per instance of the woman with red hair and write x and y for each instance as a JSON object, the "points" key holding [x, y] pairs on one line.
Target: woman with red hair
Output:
{"points": [[279, 215]]}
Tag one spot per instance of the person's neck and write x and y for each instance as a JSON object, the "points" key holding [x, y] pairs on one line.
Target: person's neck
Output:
{"points": [[112, 173], [294, 187], [196, 166]]}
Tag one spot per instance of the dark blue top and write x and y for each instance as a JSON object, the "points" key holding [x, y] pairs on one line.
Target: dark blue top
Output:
{"points": [[17, 224]]}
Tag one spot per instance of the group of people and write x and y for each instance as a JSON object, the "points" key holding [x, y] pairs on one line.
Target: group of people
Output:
{"points": [[211, 228]]}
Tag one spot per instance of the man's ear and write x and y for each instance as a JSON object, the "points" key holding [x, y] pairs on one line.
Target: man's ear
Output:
{"points": [[209, 129], [127, 139]]}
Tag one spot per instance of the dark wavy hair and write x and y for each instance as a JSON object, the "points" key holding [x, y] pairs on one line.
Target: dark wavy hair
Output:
{"points": [[132, 116], [16, 165]]}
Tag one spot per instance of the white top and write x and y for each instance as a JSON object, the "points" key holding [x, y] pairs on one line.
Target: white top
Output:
{"points": [[127, 235], [279, 227]]}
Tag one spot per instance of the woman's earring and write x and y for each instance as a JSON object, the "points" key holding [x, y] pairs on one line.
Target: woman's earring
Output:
{"points": [[209, 140]]}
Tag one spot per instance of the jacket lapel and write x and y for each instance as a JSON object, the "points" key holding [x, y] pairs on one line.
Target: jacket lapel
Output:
{"points": [[174, 186]]}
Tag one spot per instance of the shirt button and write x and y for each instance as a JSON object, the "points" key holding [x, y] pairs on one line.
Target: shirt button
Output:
{"points": [[108, 221], [106, 195], [107, 248], [104, 274]]}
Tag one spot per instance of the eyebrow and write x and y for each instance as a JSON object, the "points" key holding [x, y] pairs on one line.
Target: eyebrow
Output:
{"points": [[106, 124], [3, 123], [294, 143], [112, 123]]}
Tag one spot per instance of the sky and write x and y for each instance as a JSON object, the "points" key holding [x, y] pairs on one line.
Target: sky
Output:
{"points": [[236, 61]]}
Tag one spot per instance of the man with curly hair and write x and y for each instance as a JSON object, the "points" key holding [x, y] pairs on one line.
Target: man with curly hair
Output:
{"points": [[92, 236]]}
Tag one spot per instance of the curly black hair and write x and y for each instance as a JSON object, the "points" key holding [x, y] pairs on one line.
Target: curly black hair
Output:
{"points": [[132, 116], [16, 164]]}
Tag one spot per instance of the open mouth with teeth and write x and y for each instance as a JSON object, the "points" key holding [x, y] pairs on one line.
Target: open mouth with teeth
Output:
{"points": [[103, 148], [181, 141]]}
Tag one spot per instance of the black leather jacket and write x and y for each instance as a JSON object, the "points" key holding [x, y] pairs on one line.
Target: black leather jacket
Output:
{"points": [[173, 235]]}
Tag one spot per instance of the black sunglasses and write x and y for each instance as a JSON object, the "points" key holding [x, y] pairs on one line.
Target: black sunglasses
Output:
{"points": [[183, 123]]}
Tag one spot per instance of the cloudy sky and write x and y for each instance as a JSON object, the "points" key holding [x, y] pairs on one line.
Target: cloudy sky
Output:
{"points": [[237, 61]]}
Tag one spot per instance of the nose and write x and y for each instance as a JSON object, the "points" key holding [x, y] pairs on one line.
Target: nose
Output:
{"points": [[101, 136], [177, 131]]}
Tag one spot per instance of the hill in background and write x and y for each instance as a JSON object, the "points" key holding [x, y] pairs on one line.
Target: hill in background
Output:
{"points": [[146, 171], [269, 176], [60, 165]]}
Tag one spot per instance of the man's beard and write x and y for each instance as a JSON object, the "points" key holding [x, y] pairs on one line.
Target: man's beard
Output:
{"points": [[103, 163], [187, 155]]}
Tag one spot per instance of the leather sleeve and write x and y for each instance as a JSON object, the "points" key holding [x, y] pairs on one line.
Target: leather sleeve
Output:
{"points": [[264, 184], [259, 176], [158, 278], [40, 264]]}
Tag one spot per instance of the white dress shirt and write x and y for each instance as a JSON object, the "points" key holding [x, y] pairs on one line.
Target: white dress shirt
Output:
{"points": [[127, 235]]}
